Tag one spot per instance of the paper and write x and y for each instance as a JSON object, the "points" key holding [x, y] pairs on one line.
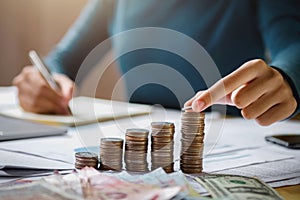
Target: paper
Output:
{"points": [[53, 148], [8, 96], [241, 158], [23, 161], [292, 181], [85, 110], [269, 171], [29, 172]]}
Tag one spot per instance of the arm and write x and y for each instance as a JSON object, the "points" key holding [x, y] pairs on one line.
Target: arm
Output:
{"points": [[89, 30], [280, 28]]}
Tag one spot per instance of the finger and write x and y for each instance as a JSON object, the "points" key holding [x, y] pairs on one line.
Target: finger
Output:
{"points": [[43, 106], [261, 105], [274, 114], [250, 92], [43, 90], [38, 104], [190, 101], [228, 84], [67, 90], [67, 86]]}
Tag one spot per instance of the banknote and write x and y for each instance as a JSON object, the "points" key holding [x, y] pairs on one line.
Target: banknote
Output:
{"points": [[37, 190], [223, 186], [160, 178], [91, 184]]}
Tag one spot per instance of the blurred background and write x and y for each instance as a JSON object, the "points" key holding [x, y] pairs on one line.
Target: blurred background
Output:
{"points": [[39, 25], [31, 24]]}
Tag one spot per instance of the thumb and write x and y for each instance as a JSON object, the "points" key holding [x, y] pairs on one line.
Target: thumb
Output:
{"points": [[67, 86]]}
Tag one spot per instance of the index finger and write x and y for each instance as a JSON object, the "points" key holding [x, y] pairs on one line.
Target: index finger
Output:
{"points": [[227, 85]]}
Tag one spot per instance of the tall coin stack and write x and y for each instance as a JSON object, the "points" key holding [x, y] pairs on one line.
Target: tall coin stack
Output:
{"points": [[111, 154], [86, 159], [162, 146], [136, 147], [192, 129]]}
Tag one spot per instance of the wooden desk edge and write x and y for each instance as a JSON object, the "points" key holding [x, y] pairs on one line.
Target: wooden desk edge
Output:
{"points": [[289, 192]]}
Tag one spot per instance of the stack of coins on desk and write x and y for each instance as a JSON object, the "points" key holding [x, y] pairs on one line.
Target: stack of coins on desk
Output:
{"points": [[162, 146], [111, 154], [136, 147], [86, 159], [192, 129]]}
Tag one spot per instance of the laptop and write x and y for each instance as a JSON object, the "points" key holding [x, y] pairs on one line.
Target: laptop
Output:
{"points": [[12, 129]]}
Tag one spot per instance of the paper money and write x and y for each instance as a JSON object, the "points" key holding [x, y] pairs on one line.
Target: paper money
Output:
{"points": [[91, 184], [37, 190], [160, 178], [237, 187]]}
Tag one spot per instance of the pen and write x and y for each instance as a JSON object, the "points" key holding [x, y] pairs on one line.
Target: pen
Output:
{"points": [[43, 69], [39, 64]]}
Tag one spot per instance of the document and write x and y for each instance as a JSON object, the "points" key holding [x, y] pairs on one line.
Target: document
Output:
{"points": [[85, 111], [241, 158], [23, 161]]}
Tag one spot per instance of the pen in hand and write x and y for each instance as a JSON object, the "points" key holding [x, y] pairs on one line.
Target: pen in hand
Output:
{"points": [[39, 64], [45, 72]]}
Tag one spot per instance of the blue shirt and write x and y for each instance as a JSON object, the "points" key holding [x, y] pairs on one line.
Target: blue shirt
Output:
{"points": [[231, 31]]}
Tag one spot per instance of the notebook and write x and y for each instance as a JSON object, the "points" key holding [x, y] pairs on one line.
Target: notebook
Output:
{"points": [[11, 129], [85, 110]]}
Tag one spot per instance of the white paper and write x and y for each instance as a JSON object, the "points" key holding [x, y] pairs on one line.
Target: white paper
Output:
{"points": [[269, 171], [240, 158], [85, 111], [19, 160], [292, 181]]}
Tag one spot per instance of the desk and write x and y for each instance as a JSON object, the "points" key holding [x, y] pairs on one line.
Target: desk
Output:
{"points": [[290, 192], [241, 130]]}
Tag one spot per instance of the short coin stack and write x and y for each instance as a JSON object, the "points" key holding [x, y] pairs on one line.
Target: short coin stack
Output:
{"points": [[86, 159], [192, 130], [136, 147], [162, 145], [111, 154]]}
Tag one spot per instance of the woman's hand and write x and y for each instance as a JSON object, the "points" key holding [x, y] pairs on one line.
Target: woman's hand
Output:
{"points": [[35, 95], [260, 91]]}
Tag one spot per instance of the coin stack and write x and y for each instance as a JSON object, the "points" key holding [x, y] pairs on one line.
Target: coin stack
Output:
{"points": [[192, 129], [111, 154], [86, 159], [162, 145], [136, 147]]}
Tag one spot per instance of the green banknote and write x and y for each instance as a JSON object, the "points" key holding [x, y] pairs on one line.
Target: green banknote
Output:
{"points": [[234, 187]]}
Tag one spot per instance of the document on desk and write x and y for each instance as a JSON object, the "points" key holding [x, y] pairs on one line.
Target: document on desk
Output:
{"points": [[276, 173], [85, 111], [23, 161], [240, 158]]}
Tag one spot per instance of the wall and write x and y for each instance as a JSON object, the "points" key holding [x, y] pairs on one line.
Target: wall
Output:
{"points": [[39, 25], [31, 24]]}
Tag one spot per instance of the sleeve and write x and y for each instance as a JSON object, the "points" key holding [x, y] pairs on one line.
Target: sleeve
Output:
{"points": [[86, 33], [279, 23]]}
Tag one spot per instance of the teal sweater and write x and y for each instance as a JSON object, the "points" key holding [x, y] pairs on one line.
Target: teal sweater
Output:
{"points": [[231, 31]]}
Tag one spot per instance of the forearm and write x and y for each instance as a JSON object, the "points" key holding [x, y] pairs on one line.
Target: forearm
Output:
{"points": [[280, 27], [288, 63], [87, 32]]}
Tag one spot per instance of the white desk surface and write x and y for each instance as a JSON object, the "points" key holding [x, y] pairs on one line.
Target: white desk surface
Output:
{"points": [[231, 133]]}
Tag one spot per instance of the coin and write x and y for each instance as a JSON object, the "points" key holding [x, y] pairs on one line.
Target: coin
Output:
{"points": [[162, 145], [192, 138], [137, 132], [86, 159], [111, 153], [136, 148]]}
